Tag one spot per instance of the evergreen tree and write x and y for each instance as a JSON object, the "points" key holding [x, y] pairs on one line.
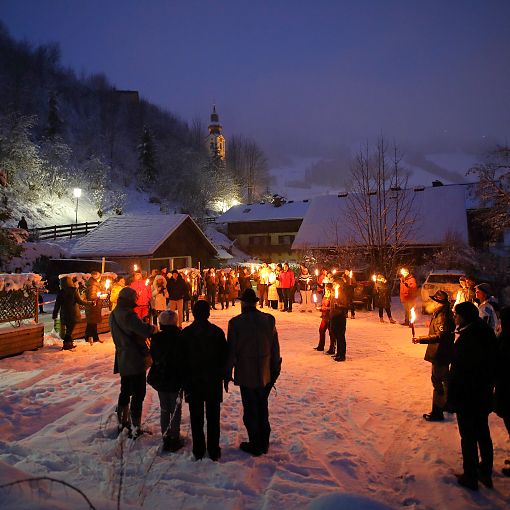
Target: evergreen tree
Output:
{"points": [[147, 159], [54, 123]]}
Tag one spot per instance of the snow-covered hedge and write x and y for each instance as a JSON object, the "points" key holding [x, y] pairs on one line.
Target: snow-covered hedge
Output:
{"points": [[10, 282]]}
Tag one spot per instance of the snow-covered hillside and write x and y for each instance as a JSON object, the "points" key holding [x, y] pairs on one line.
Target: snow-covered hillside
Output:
{"points": [[345, 435]]}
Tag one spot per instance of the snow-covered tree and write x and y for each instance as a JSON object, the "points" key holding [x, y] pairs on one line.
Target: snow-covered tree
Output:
{"points": [[95, 172], [493, 190]]}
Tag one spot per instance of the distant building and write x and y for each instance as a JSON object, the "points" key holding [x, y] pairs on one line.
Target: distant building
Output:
{"points": [[149, 241], [215, 140], [264, 230], [438, 211]]}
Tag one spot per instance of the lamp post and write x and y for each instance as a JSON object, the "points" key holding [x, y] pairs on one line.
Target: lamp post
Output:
{"points": [[77, 195]]}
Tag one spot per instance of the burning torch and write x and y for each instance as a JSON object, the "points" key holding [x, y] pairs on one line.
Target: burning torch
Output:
{"points": [[135, 267], [350, 276], [412, 320]]}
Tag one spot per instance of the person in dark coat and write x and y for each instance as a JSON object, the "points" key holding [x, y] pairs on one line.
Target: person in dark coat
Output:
{"points": [[254, 355], [211, 286], [325, 320], [22, 223], [470, 393], [204, 359], [177, 291], [439, 352], [350, 284], [68, 303], [93, 310], [339, 308], [132, 358], [502, 392], [382, 297], [244, 280], [166, 377]]}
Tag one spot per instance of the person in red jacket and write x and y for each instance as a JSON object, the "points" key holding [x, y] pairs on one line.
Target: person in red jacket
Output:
{"points": [[143, 295], [408, 293], [287, 282]]}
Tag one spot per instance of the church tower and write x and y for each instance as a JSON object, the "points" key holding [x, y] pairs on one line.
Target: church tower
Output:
{"points": [[215, 141]]}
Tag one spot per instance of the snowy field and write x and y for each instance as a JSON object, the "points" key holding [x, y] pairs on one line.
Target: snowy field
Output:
{"points": [[345, 435]]}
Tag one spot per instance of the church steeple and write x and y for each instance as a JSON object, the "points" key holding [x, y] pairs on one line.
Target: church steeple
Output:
{"points": [[215, 140]]}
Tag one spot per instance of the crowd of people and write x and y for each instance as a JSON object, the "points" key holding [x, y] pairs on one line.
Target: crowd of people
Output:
{"points": [[198, 362], [469, 375], [468, 346]]}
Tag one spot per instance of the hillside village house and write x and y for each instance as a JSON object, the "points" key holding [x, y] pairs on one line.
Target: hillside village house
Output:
{"points": [[150, 241], [438, 212], [264, 230]]}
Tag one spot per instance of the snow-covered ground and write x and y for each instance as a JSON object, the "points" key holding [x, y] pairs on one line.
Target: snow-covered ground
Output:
{"points": [[342, 433]]}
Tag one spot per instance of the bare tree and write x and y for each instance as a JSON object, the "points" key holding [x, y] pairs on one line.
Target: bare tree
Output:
{"points": [[493, 190], [380, 208], [247, 162]]}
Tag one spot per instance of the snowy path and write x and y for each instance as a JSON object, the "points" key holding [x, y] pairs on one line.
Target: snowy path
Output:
{"points": [[352, 427]]}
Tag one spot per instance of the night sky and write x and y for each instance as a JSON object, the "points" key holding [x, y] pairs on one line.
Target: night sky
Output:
{"points": [[304, 78]]}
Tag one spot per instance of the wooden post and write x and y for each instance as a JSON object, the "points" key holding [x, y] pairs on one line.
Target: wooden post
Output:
{"points": [[102, 264], [36, 305]]}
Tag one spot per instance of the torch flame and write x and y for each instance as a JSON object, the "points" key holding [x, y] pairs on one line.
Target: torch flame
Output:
{"points": [[402, 271], [413, 315], [99, 294], [147, 282], [252, 268], [315, 298], [135, 267], [334, 271], [350, 274], [316, 272], [336, 291], [107, 284], [374, 277]]}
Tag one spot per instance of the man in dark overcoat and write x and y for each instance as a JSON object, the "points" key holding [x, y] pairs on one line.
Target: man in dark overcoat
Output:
{"points": [[132, 359], [67, 303], [254, 355], [470, 393], [93, 309], [205, 347], [439, 352]]}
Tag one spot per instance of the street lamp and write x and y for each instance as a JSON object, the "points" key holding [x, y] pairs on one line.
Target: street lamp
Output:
{"points": [[77, 195]]}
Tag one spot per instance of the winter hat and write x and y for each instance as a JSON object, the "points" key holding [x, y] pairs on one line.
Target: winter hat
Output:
{"points": [[201, 310], [440, 297], [249, 296], [468, 311], [485, 288], [168, 318], [127, 295]]}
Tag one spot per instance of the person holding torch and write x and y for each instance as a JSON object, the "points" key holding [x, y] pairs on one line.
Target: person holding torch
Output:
{"points": [[408, 293], [439, 352]]}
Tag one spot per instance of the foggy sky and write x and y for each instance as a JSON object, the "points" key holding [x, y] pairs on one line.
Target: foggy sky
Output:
{"points": [[304, 78]]}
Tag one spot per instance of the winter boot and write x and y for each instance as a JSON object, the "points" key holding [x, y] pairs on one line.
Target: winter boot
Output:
{"points": [[123, 419], [435, 415], [381, 319], [137, 426], [392, 321]]}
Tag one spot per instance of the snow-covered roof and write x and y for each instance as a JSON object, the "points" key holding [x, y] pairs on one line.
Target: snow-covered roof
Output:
{"points": [[439, 211], [120, 236], [223, 254], [291, 210]]}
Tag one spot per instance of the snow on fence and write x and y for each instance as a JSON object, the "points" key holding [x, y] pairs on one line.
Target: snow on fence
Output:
{"points": [[19, 295], [70, 230]]}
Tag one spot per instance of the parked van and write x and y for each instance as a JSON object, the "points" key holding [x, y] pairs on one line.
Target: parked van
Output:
{"points": [[56, 267], [440, 279]]}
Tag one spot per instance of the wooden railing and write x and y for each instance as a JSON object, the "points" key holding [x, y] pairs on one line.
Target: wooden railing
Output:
{"points": [[71, 230]]}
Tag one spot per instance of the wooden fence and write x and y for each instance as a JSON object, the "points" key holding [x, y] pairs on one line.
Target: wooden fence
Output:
{"points": [[56, 231]]}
